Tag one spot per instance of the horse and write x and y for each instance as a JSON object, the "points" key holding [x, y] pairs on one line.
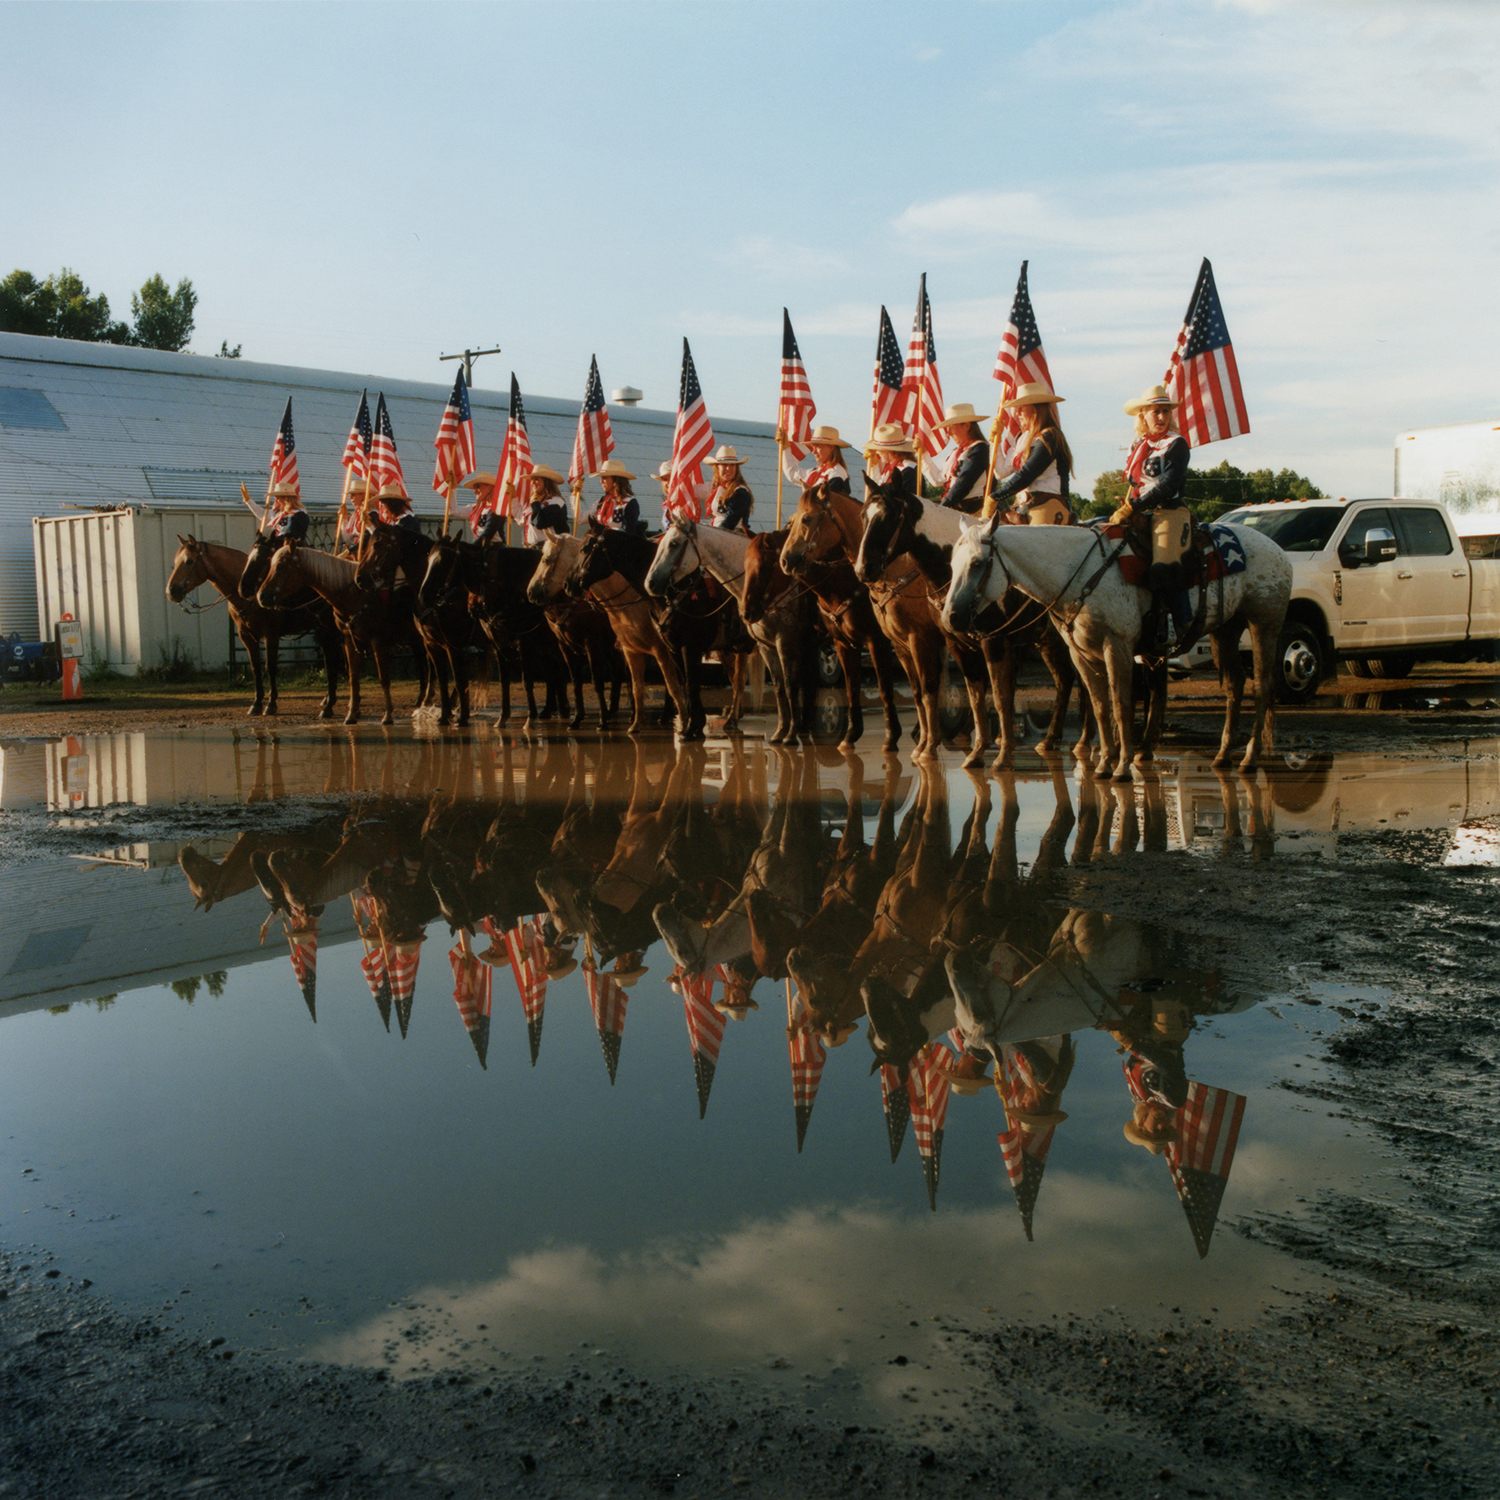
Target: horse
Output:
{"points": [[629, 615], [779, 631], [1069, 570], [827, 527], [367, 619], [897, 523], [848, 617], [197, 563]]}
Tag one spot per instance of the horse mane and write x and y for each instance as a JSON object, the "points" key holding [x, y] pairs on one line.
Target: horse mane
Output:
{"points": [[322, 569]]}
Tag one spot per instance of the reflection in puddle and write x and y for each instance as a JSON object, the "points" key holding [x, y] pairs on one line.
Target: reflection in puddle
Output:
{"points": [[703, 999]]}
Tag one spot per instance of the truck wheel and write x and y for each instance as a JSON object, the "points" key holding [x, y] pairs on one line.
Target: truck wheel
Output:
{"points": [[1299, 664], [830, 673], [1390, 666], [1357, 667]]}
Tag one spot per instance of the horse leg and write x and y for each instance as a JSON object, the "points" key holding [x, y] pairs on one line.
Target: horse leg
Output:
{"points": [[635, 664], [736, 667], [1095, 681], [976, 683], [691, 664], [273, 656], [328, 646], [851, 659], [252, 650], [1064, 674], [789, 648], [437, 661], [383, 672], [352, 653], [460, 665], [1000, 658], [883, 659], [1263, 638], [1119, 663], [1156, 713]]}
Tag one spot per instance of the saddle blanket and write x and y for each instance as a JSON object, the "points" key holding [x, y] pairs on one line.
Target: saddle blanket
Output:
{"points": [[1205, 564]]}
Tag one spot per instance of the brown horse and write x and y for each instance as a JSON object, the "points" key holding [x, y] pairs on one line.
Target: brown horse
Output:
{"points": [[630, 618], [369, 621], [197, 563], [827, 527]]}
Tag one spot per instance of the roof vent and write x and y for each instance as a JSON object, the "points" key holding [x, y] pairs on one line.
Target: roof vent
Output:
{"points": [[627, 395]]}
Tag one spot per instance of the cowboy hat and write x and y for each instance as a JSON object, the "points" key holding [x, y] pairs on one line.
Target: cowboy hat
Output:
{"points": [[627, 977], [1155, 1144], [1032, 1123], [613, 467], [890, 437], [960, 414], [726, 456], [544, 471], [286, 491], [736, 1010], [1153, 395], [474, 481], [1033, 393], [393, 492], [561, 969], [825, 437], [663, 471]]}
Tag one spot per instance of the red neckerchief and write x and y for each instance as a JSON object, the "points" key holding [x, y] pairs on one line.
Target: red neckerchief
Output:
{"points": [[1135, 465], [604, 511]]}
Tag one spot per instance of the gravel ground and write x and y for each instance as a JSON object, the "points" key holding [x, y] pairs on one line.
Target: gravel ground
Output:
{"points": [[1382, 1384]]}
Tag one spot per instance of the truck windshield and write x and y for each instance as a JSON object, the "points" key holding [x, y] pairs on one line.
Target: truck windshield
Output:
{"points": [[1299, 528]]}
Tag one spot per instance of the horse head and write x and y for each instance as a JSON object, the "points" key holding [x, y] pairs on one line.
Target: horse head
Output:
{"points": [[557, 556], [257, 563], [825, 983], [890, 520], [760, 568], [594, 561], [671, 552], [187, 569], [280, 580], [442, 571], [814, 532], [974, 556], [896, 1033], [379, 556]]}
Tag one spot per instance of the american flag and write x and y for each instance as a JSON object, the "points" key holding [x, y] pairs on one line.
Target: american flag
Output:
{"points": [[928, 1089], [401, 968], [897, 1106], [796, 411], [886, 403], [284, 454], [608, 1001], [1208, 1126], [373, 963], [920, 383], [692, 442], [705, 1032], [1203, 374], [807, 1055], [357, 449], [385, 463], [1024, 1152], [515, 462], [1019, 361], [304, 947], [594, 441], [524, 944], [472, 988], [455, 439]]}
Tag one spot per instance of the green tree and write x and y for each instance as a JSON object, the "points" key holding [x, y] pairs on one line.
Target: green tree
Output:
{"points": [[1212, 492], [186, 989], [1109, 494], [59, 307], [225, 352], [163, 318]]}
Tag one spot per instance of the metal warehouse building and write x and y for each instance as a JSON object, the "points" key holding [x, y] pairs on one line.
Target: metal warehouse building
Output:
{"points": [[164, 441]]}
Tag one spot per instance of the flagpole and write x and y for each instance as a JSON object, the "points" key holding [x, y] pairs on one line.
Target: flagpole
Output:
{"points": [[577, 488], [451, 491], [995, 429], [780, 469], [338, 525]]}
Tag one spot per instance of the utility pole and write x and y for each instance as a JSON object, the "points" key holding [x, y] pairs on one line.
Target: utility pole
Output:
{"points": [[468, 357]]}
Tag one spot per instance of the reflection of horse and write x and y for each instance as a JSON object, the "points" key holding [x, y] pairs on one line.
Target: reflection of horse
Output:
{"points": [[1069, 569], [897, 523], [197, 563]]}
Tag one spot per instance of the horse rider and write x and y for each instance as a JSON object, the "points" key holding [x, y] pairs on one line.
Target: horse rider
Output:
{"points": [[829, 468], [1043, 461], [493, 524], [288, 520], [689, 501], [545, 509], [617, 508], [1156, 472], [730, 503], [892, 457], [962, 477]]}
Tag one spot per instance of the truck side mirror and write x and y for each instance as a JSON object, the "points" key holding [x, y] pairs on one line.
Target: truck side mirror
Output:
{"points": [[1380, 545]]}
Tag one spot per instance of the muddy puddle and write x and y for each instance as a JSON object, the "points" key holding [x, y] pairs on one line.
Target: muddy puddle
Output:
{"points": [[773, 1065]]}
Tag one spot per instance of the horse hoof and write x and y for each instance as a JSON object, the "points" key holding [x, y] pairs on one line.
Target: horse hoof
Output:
{"points": [[326, 712], [1003, 762], [1144, 757], [892, 744], [1047, 745], [351, 718], [975, 757]]}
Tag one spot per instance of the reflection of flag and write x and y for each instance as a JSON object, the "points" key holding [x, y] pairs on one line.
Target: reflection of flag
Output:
{"points": [[455, 438], [357, 450], [886, 401], [608, 1000], [373, 963], [284, 454], [692, 442], [927, 1085], [920, 383], [796, 411], [594, 441], [897, 1106], [385, 462], [524, 944], [305, 966], [1202, 373], [705, 1031], [1024, 1152], [471, 994], [1209, 1127], [1019, 361], [807, 1057], [401, 968]]}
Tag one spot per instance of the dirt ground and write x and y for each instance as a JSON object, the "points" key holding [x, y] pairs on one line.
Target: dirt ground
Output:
{"points": [[1381, 1384]]}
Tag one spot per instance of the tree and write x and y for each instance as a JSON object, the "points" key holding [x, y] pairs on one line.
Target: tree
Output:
{"points": [[163, 319], [1109, 494], [1212, 492], [225, 352], [59, 307]]}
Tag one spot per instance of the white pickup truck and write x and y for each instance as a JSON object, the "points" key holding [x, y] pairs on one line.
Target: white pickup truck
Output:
{"points": [[1381, 585]]}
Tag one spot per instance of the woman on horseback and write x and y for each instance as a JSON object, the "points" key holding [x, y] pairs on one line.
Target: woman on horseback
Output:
{"points": [[617, 508], [545, 510], [962, 477], [288, 520], [1043, 460], [730, 504], [891, 456], [1157, 474], [828, 466]]}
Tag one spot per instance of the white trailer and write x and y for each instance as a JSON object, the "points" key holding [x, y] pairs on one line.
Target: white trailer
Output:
{"points": [[1458, 464]]}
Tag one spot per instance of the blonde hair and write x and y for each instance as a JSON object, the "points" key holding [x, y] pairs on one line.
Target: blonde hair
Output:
{"points": [[1140, 421]]}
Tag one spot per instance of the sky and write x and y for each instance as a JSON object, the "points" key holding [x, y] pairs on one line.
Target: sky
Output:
{"points": [[366, 187]]}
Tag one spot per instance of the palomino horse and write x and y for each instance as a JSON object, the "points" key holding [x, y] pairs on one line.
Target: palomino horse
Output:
{"points": [[1071, 570], [897, 523], [630, 618], [780, 633], [368, 621], [198, 563], [848, 617], [827, 527]]}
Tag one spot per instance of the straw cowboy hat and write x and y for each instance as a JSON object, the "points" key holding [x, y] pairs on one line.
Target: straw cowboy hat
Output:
{"points": [[825, 437], [663, 471], [1032, 1123], [545, 471], [727, 457], [891, 438], [1153, 395], [736, 1010], [959, 414], [285, 491], [478, 481], [1150, 1141], [627, 977], [613, 468], [393, 492], [1034, 393]]}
